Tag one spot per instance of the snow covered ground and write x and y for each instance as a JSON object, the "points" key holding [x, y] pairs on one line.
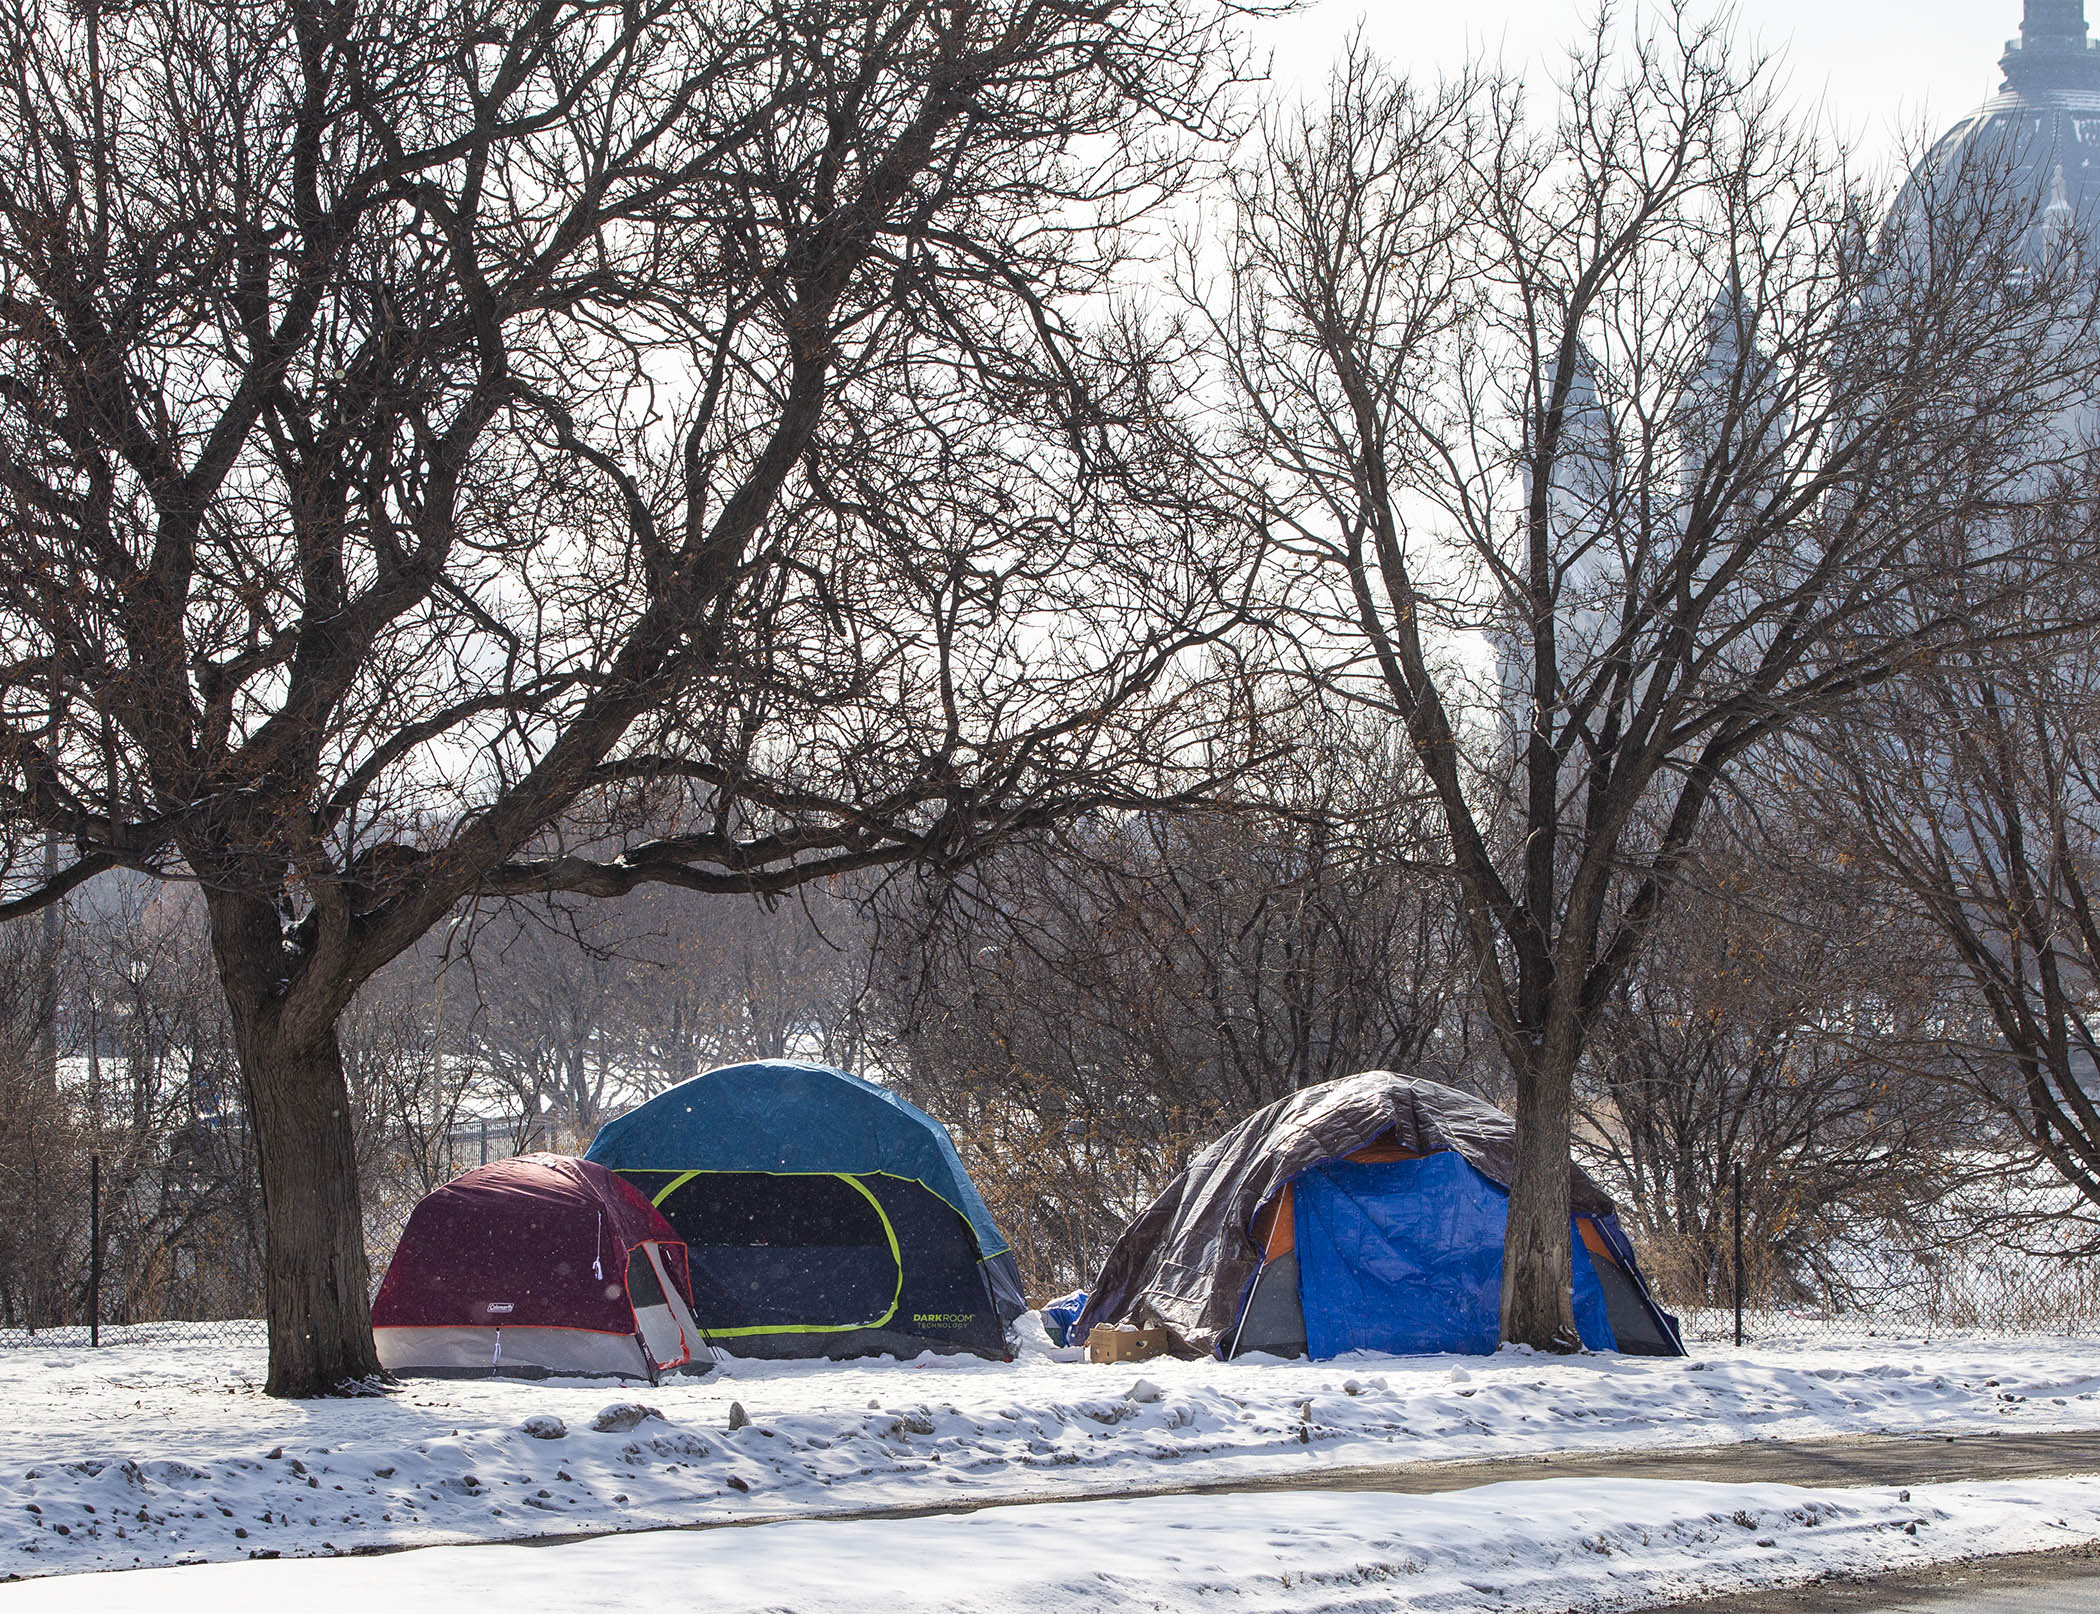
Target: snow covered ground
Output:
{"points": [[141, 1457], [1556, 1545]]}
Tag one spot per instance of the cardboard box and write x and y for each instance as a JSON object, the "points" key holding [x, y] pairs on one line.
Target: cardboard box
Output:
{"points": [[1118, 1342]]}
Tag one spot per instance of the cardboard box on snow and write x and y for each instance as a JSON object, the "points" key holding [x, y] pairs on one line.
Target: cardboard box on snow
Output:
{"points": [[1118, 1342]]}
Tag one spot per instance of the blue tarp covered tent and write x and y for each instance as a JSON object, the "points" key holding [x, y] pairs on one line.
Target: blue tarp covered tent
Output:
{"points": [[1365, 1213], [825, 1216], [1406, 1256]]}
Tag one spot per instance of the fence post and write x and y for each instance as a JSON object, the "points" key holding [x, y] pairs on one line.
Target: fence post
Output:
{"points": [[1739, 1253], [94, 1249]]}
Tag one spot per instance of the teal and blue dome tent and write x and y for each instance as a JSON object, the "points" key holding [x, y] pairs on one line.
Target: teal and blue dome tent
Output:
{"points": [[824, 1216]]}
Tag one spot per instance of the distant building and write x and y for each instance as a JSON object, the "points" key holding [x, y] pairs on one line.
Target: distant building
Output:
{"points": [[2040, 134]]}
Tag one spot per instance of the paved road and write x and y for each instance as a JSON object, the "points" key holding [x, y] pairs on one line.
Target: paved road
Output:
{"points": [[2039, 1583], [1851, 1460], [2034, 1583], [1847, 1460]]}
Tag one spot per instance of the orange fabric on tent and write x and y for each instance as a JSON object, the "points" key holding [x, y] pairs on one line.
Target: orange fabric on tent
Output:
{"points": [[1274, 1230], [1593, 1240], [1382, 1152]]}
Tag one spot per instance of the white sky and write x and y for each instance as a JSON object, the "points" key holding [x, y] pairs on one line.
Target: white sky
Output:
{"points": [[1878, 69]]}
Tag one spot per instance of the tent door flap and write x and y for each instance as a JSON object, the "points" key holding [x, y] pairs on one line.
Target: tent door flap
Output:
{"points": [[663, 1322]]}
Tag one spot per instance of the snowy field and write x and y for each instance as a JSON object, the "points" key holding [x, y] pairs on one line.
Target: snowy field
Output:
{"points": [[139, 1457], [1559, 1545]]}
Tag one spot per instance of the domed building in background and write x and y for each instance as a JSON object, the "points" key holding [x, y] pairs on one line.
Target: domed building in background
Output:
{"points": [[2042, 129]]}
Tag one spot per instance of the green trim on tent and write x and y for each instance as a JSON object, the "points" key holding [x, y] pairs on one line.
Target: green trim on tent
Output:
{"points": [[794, 1116], [677, 1183], [889, 1232]]}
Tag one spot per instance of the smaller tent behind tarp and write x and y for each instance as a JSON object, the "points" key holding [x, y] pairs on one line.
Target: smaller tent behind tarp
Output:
{"points": [[531, 1267], [824, 1215], [1362, 1214]]}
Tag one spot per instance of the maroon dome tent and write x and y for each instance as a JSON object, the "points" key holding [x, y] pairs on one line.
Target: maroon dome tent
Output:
{"points": [[536, 1266]]}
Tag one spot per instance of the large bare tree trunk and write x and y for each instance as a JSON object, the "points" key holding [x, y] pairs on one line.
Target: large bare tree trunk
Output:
{"points": [[1538, 1305], [316, 1292]]}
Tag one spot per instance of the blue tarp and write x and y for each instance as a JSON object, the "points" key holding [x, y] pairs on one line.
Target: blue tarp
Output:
{"points": [[784, 1116], [1406, 1257], [1059, 1316]]}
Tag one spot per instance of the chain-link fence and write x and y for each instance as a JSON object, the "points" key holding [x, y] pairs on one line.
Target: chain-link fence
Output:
{"points": [[163, 1247], [204, 1288], [156, 1335], [157, 1240], [118, 1278], [1992, 1267], [1981, 1292]]}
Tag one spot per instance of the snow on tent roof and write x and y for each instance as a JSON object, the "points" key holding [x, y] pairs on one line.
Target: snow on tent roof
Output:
{"points": [[780, 1115]]}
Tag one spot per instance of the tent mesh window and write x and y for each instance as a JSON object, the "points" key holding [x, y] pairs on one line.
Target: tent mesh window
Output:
{"points": [[643, 1291], [780, 1251]]}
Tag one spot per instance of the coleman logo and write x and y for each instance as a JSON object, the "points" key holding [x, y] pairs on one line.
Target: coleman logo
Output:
{"points": [[496, 1306]]}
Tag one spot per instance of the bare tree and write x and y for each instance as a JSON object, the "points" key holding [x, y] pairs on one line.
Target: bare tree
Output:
{"points": [[1087, 1011], [1637, 396], [411, 1088], [574, 1010], [425, 425], [1749, 1040], [1968, 795], [148, 1085], [42, 1198]]}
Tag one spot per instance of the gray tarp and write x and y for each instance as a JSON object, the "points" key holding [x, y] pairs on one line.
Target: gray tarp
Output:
{"points": [[1187, 1260]]}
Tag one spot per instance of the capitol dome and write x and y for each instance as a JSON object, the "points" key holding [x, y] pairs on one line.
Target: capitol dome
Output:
{"points": [[2043, 126]]}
